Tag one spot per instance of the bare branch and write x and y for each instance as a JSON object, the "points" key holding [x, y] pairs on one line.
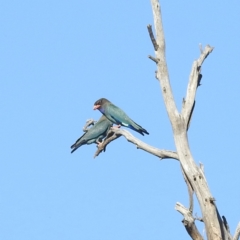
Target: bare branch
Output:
{"points": [[153, 58], [194, 82], [200, 219], [207, 50], [188, 222], [89, 122], [226, 224], [162, 65], [179, 123], [102, 146], [149, 27], [190, 190], [139, 144], [237, 232]]}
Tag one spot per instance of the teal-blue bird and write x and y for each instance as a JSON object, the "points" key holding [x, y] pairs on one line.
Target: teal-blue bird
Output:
{"points": [[95, 134], [117, 115]]}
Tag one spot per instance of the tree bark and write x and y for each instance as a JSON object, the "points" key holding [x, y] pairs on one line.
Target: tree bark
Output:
{"points": [[179, 122]]}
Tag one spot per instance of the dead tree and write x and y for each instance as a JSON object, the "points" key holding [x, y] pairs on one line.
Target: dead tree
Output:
{"points": [[216, 227]]}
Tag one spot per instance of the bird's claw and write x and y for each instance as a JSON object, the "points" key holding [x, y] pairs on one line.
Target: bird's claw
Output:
{"points": [[99, 144]]}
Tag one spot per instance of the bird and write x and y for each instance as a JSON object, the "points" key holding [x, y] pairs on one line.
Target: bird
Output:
{"points": [[95, 134], [117, 115]]}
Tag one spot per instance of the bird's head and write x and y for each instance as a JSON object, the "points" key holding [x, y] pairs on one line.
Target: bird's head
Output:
{"points": [[99, 103]]}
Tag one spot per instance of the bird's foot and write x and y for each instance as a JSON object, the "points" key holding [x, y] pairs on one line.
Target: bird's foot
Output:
{"points": [[99, 144]]}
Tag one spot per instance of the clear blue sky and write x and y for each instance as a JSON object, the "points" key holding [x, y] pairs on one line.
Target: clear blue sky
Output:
{"points": [[56, 59]]}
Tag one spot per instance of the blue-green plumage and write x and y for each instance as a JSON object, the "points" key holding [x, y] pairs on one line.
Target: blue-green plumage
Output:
{"points": [[94, 134], [117, 115]]}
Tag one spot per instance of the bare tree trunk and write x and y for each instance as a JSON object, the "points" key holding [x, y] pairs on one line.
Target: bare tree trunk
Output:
{"points": [[216, 227]]}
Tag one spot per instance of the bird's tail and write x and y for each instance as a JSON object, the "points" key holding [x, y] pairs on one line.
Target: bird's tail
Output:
{"points": [[76, 145], [74, 150], [139, 129]]}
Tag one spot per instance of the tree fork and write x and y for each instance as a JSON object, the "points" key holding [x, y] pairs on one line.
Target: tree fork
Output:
{"points": [[179, 124]]}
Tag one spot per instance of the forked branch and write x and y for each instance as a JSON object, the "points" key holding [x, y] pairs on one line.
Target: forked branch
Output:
{"points": [[188, 222], [180, 122], [115, 133], [194, 82]]}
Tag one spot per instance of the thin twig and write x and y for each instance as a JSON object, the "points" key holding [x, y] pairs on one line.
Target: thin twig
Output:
{"points": [[153, 58], [150, 31], [198, 218]]}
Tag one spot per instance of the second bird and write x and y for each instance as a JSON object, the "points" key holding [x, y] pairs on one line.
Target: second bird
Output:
{"points": [[117, 115], [94, 134]]}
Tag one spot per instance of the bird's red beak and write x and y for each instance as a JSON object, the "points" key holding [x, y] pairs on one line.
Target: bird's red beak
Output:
{"points": [[96, 107]]}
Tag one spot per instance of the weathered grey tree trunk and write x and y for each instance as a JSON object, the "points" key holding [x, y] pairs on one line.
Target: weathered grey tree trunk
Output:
{"points": [[194, 175], [216, 227]]}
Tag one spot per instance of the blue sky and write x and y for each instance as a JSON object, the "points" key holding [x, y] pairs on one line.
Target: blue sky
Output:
{"points": [[57, 59]]}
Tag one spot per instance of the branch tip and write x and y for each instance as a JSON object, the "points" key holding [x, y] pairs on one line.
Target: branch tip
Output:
{"points": [[153, 59], [201, 167], [200, 48], [89, 122], [150, 31], [194, 82]]}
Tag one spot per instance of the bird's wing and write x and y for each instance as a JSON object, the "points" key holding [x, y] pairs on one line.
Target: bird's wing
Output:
{"points": [[97, 130], [118, 115]]}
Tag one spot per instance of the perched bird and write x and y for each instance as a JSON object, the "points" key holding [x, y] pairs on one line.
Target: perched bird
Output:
{"points": [[117, 115], [95, 134]]}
